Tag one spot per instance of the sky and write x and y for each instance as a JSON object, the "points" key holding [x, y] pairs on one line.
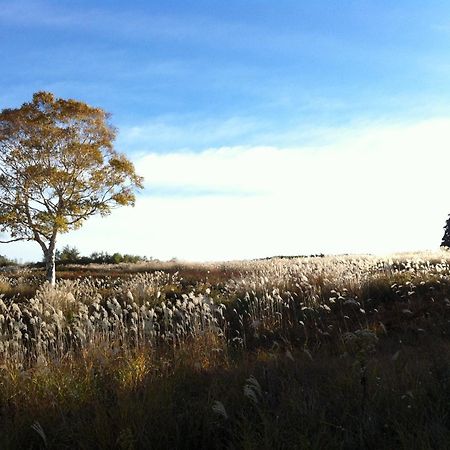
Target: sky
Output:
{"points": [[261, 127]]}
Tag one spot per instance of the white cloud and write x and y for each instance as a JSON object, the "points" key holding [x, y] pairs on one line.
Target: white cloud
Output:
{"points": [[375, 189]]}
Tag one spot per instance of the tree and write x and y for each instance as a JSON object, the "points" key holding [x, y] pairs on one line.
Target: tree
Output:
{"points": [[446, 237], [4, 261], [57, 168], [67, 255]]}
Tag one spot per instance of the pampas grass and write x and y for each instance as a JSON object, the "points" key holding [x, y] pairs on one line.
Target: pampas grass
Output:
{"points": [[245, 354]]}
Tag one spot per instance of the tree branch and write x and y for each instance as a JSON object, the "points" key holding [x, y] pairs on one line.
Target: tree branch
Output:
{"points": [[15, 240]]}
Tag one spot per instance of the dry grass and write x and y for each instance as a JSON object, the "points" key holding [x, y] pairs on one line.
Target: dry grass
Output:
{"points": [[332, 352]]}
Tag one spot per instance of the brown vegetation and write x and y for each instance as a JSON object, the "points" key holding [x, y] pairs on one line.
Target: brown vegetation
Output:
{"points": [[343, 352]]}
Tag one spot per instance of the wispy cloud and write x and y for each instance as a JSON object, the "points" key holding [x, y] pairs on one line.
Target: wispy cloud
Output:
{"points": [[184, 132], [189, 192], [200, 28], [133, 23]]}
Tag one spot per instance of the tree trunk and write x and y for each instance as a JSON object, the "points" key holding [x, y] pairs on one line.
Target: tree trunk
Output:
{"points": [[50, 271]]}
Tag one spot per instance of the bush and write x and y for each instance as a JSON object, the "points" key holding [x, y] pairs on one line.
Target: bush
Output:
{"points": [[4, 261]]}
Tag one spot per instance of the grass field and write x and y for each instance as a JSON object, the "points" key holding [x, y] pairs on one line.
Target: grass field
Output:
{"points": [[349, 352]]}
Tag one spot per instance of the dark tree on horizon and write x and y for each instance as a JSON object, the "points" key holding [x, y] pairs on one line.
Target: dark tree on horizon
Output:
{"points": [[446, 237]]}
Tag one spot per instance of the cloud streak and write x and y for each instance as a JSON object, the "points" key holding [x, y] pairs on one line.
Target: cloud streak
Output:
{"points": [[205, 28]]}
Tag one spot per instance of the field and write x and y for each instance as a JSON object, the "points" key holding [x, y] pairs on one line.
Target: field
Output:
{"points": [[349, 352]]}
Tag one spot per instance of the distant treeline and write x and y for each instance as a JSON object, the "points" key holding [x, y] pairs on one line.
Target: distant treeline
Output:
{"points": [[71, 255], [319, 255]]}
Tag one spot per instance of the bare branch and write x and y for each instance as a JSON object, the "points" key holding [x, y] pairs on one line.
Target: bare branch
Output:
{"points": [[15, 240]]}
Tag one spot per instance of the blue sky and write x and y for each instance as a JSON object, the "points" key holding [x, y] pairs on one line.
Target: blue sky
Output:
{"points": [[212, 80]]}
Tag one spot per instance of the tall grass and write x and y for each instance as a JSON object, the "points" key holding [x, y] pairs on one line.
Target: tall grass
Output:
{"points": [[329, 352]]}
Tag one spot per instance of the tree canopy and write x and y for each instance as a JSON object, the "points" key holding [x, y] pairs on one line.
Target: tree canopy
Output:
{"points": [[58, 167]]}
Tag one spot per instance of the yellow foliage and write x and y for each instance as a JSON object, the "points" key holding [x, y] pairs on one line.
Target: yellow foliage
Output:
{"points": [[59, 167]]}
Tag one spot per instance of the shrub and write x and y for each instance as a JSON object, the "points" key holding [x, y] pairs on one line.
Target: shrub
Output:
{"points": [[4, 261]]}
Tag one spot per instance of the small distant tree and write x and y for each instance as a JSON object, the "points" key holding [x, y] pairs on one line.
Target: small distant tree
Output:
{"points": [[67, 255], [116, 258], [57, 168], [4, 261], [100, 257], [446, 237]]}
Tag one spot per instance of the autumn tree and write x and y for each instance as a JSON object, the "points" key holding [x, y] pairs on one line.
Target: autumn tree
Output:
{"points": [[57, 168]]}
